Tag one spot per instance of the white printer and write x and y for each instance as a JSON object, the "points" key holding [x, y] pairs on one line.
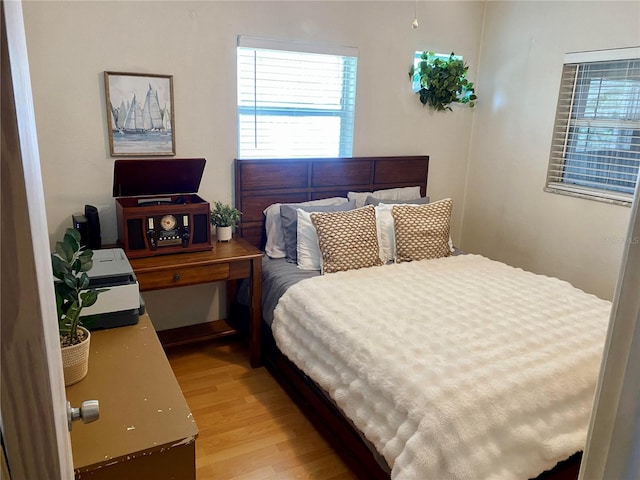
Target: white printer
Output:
{"points": [[121, 303]]}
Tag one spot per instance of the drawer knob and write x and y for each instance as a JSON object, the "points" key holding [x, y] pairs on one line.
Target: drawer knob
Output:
{"points": [[176, 277]]}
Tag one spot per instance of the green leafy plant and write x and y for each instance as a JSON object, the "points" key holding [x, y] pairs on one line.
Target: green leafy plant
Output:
{"points": [[70, 264], [443, 81], [224, 215]]}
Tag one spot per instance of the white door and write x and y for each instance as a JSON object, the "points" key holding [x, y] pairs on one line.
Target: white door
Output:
{"points": [[33, 409], [613, 444]]}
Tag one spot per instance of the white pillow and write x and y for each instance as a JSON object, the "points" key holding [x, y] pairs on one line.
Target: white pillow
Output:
{"points": [[386, 233], [275, 246], [403, 193], [309, 255]]}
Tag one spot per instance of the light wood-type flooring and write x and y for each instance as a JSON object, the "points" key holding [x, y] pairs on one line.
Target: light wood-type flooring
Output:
{"points": [[249, 428]]}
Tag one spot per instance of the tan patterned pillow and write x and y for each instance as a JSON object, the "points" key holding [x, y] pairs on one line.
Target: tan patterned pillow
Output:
{"points": [[347, 240], [422, 231]]}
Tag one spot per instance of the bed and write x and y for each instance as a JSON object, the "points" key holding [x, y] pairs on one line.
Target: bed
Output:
{"points": [[357, 430]]}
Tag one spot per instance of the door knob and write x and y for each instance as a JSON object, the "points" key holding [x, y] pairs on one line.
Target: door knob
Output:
{"points": [[89, 412]]}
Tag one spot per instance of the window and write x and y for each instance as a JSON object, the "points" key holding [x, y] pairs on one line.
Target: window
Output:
{"points": [[295, 100], [595, 151]]}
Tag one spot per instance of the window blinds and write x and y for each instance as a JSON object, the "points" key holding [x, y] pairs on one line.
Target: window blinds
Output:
{"points": [[295, 100], [595, 149]]}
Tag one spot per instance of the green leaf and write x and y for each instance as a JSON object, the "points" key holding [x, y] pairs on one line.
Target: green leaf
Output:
{"points": [[59, 266], [70, 240], [85, 265], [86, 261], [88, 298], [83, 281], [77, 265], [64, 291], [64, 250], [73, 233], [70, 280]]}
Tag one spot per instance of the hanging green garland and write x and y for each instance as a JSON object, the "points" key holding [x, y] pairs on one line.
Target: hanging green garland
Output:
{"points": [[443, 81]]}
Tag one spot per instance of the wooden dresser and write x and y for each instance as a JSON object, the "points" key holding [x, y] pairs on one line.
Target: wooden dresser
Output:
{"points": [[145, 429]]}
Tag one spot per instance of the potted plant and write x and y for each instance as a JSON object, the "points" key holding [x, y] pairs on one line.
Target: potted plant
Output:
{"points": [[224, 218], [443, 81], [70, 264]]}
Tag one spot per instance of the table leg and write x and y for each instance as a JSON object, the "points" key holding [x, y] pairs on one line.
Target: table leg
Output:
{"points": [[255, 345]]}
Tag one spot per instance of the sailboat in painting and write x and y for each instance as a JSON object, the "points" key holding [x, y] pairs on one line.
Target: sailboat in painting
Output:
{"points": [[166, 118], [135, 118], [133, 122], [151, 114]]}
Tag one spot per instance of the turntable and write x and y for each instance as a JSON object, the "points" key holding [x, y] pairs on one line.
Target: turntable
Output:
{"points": [[157, 208]]}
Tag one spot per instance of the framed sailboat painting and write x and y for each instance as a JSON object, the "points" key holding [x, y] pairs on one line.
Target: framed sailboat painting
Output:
{"points": [[140, 117]]}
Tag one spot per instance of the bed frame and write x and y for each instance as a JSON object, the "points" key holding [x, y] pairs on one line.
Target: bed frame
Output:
{"points": [[260, 183]]}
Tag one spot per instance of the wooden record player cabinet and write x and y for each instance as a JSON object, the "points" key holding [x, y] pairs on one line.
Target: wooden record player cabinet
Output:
{"points": [[136, 221], [157, 209]]}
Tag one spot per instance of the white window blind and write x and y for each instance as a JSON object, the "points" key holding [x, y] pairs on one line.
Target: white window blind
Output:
{"points": [[295, 100], [595, 150]]}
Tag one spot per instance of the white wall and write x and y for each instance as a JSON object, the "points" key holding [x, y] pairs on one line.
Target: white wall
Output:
{"points": [[70, 44], [507, 216]]}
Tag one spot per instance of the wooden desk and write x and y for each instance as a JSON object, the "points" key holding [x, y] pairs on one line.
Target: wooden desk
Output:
{"points": [[228, 261], [145, 429]]}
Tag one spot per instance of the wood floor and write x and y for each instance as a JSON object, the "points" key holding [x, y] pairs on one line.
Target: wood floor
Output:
{"points": [[249, 428]]}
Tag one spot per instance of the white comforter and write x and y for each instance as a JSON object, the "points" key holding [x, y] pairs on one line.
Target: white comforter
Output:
{"points": [[460, 367]]}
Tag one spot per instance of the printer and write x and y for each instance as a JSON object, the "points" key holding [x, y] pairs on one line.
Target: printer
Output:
{"points": [[120, 304]]}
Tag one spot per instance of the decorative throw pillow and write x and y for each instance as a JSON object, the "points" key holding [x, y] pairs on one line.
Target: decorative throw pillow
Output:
{"points": [[347, 240], [289, 220], [422, 231], [386, 232]]}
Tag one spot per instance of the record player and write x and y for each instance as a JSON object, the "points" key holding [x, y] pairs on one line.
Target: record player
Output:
{"points": [[157, 208]]}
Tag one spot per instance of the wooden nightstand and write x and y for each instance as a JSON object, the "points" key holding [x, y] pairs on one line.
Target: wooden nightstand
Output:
{"points": [[228, 261]]}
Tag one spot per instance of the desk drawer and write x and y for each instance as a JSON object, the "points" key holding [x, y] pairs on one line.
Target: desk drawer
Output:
{"points": [[182, 276]]}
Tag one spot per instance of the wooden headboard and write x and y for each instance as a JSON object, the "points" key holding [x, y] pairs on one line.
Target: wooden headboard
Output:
{"points": [[260, 183]]}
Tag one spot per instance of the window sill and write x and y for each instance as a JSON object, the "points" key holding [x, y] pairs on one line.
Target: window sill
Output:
{"points": [[590, 194]]}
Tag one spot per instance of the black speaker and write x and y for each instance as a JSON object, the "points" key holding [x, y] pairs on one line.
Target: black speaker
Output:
{"points": [[201, 228], [136, 234], [94, 239], [81, 225]]}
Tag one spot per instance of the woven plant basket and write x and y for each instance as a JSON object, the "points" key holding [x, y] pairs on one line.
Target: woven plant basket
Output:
{"points": [[75, 360]]}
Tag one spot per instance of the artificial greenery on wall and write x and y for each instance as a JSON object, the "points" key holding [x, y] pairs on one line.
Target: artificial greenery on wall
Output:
{"points": [[443, 81]]}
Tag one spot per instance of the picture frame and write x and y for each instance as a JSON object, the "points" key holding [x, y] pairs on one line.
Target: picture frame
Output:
{"points": [[140, 114]]}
